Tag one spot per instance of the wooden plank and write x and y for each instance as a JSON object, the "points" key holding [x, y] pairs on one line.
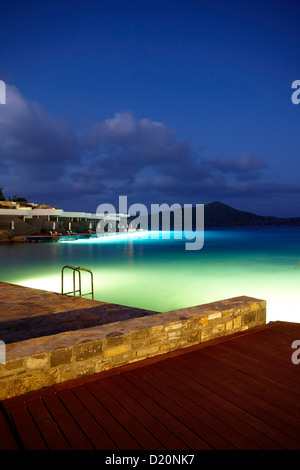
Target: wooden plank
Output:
{"points": [[262, 371], [249, 383], [73, 433], [242, 387], [240, 433], [28, 433], [293, 329], [245, 369], [171, 417], [240, 412], [257, 406], [122, 439], [8, 439], [47, 426], [265, 374], [142, 436], [276, 356], [249, 412], [275, 360], [149, 416], [201, 406], [237, 440], [90, 427], [186, 411]]}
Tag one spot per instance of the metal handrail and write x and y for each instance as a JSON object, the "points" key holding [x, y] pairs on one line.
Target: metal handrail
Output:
{"points": [[78, 270]]}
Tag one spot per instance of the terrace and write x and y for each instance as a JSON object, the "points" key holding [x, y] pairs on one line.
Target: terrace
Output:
{"points": [[92, 375], [26, 218], [217, 395]]}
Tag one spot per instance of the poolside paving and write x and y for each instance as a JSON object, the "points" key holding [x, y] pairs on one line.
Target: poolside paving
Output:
{"points": [[49, 338], [27, 313]]}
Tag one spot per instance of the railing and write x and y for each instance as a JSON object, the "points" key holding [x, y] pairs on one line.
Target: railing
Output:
{"points": [[74, 291]]}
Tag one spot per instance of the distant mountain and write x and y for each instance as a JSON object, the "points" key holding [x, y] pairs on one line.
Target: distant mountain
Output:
{"points": [[217, 214]]}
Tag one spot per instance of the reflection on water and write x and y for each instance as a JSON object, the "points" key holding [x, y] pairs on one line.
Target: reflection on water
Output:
{"points": [[160, 274]]}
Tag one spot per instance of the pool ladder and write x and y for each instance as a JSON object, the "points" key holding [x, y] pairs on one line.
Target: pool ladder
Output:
{"points": [[74, 291]]}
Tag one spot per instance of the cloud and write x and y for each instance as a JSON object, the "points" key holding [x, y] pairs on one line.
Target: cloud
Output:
{"points": [[44, 160], [138, 157], [35, 147], [245, 165]]}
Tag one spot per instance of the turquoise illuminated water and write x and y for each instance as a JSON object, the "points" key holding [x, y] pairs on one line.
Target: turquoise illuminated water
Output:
{"points": [[162, 275]]}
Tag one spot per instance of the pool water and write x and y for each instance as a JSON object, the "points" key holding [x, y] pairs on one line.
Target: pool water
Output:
{"points": [[161, 275]]}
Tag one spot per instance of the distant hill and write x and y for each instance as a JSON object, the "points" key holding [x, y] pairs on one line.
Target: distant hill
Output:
{"points": [[217, 214]]}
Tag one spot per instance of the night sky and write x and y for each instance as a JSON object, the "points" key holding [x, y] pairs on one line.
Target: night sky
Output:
{"points": [[163, 101]]}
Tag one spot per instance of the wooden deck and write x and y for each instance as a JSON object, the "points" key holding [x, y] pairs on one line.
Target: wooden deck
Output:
{"points": [[238, 392]]}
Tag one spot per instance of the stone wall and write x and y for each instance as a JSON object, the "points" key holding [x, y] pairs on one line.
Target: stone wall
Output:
{"points": [[5, 236], [31, 365]]}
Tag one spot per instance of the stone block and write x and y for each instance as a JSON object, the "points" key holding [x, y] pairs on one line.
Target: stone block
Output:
{"points": [[249, 318], [213, 316], [123, 359], [115, 339], [156, 330], [75, 371], [12, 365], [255, 306], [189, 325], [84, 351], [261, 315], [140, 334], [143, 343], [12, 368], [147, 352], [31, 382], [122, 348], [237, 322], [203, 320], [39, 361], [216, 330], [194, 337], [206, 335], [173, 326], [227, 313], [158, 339], [60, 356], [100, 366], [164, 348], [174, 335]]}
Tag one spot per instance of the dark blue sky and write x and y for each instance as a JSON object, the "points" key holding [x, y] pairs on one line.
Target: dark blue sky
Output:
{"points": [[162, 101]]}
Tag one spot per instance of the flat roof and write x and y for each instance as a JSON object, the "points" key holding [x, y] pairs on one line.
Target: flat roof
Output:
{"points": [[59, 213]]}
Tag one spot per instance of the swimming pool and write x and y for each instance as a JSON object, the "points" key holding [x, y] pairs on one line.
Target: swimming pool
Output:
{"points": [[159, 274]]}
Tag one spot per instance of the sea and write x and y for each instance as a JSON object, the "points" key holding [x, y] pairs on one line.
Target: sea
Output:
{"points": [[157, 271]]}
